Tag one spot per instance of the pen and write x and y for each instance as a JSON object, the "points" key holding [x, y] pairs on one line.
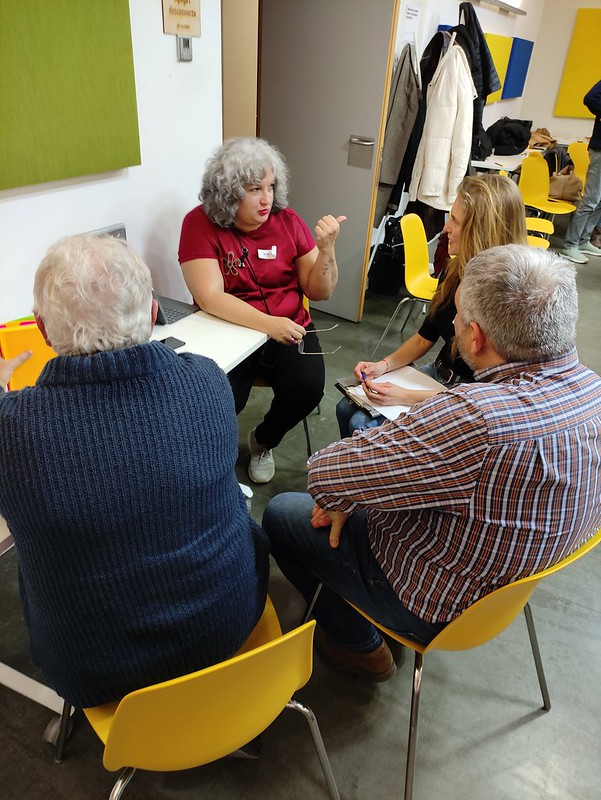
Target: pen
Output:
{"points": [[498, 163], [363, 375]]}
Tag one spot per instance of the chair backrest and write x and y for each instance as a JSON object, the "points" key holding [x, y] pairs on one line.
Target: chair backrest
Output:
{"points": [[539, 225], [538, 241], [198, 718], [20, 335], [534, 180], [490, 615], [578, 152], [417, 260]]}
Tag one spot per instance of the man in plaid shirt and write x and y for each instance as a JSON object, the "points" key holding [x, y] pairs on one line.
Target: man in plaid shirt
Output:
{"points": [[478, 486]]}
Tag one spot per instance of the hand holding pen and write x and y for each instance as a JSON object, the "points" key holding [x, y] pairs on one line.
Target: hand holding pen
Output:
{"points": [[370, 369]]}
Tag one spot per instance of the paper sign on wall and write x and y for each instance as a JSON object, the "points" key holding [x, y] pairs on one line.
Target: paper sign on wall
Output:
{"points": [[181, 17]]}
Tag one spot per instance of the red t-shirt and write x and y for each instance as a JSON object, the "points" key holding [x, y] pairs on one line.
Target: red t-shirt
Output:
{"points": [[272, 251]]}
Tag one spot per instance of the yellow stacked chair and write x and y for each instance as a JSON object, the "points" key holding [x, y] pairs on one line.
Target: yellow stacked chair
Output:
{"points": [[418, 281], [539, 229], [534, 187]]}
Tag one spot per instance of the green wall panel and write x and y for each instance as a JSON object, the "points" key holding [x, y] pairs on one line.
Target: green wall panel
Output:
{"points": [[67, 90]]}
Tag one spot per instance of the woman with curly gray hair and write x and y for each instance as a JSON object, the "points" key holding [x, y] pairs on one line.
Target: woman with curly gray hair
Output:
{"points": [[248, 258]]}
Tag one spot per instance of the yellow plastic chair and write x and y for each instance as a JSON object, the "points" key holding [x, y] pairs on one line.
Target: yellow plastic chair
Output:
{"points": [[418, 281], [538, 241], [534, 187], [478, 624], [198, 718], [539, 229], [578, 152]]}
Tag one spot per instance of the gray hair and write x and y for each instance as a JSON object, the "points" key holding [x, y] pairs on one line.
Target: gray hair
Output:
{"points": [[524, 299], [93, 293], [239, 163]]}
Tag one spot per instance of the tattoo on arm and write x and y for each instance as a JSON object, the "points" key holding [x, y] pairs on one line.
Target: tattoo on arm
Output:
{"points": [[328, 267]]}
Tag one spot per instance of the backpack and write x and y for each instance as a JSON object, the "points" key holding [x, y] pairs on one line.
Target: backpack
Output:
{"points": [[387, 271], [510, 136], [481, 145]]}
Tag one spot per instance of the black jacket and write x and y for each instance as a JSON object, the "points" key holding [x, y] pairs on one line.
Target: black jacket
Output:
{"points": [[592, 100]]}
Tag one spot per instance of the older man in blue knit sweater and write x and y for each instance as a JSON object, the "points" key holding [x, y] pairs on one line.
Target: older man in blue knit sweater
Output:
{"points": [[138, 559]]}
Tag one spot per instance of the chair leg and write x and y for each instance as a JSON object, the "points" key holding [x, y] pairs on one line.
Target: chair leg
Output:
{"points": [[390, 323], [537, 659], [63, 733], [412, 741], [311, 605], [319, 746], [308, 438], [122, 781]]}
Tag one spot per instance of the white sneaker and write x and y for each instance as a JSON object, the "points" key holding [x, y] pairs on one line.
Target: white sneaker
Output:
{"points": [[590, 249], [261, 468], [574, 254]]}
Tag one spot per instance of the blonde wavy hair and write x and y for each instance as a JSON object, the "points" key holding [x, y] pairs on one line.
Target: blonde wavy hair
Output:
{"points": [[494, 215]]}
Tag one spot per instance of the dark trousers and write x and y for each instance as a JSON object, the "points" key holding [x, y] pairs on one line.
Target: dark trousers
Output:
{"points": [[297, 382], [348, 572]]}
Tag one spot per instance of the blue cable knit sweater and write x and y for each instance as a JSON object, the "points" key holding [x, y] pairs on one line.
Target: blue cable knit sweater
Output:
{"points": [[137, 556]]}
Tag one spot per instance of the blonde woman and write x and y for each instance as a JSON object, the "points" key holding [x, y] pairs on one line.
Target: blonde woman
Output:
{"points": [[488, 211]]}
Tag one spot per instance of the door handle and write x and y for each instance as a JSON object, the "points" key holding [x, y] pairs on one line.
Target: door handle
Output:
{"points": [[362, 140]]}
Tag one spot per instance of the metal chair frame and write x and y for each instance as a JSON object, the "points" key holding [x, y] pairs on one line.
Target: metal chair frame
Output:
{"points": [[459, 635]]}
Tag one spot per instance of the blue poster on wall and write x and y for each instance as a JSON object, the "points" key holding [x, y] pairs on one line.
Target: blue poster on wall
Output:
{"points": [[517, 68]]}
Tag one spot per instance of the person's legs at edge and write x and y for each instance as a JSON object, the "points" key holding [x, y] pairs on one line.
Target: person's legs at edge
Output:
{"points": [[297, 381], [577, 244], [349, 571], [241, 378], [351, 419]]}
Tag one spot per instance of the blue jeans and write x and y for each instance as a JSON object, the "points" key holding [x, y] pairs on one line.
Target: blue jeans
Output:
{"points": [[586, 215], [350, 571], [351, 418]]}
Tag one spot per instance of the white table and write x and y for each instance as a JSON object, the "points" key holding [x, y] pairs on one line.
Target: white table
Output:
{"points": [[226, 343], [496, 163]]}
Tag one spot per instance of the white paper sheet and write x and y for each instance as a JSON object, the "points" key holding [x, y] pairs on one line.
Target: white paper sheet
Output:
{"points": [[408, 378]]}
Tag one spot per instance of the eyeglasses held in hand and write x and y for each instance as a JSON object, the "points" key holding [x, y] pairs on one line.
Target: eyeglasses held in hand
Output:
{"points": [[301, 344]]}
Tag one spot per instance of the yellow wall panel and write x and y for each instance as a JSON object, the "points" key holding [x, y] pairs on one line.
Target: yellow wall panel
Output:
{"points": [[500, 49], [583, 65]]}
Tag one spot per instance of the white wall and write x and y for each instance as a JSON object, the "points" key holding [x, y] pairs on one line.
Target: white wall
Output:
{"points": [[546, 69], [179, 108], [549, 24]]}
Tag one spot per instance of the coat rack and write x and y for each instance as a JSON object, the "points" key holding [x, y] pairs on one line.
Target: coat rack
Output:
{"points": [[503, 6]]}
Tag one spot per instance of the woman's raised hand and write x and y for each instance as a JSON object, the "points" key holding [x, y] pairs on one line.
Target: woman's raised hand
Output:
{"points": [[326, 231]]}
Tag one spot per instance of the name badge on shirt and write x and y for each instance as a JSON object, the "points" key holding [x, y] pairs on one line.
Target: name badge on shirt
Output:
{"points": [[269, 254]]}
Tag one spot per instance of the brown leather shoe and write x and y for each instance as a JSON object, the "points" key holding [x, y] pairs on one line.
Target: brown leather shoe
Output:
{"points": [[377, 666]]}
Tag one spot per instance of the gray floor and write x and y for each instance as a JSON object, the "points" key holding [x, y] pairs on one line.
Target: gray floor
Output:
{"points": [[481, 732]]}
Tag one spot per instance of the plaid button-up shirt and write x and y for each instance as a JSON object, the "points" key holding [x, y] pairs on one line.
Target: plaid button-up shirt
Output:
{"points": [[476, 487]]}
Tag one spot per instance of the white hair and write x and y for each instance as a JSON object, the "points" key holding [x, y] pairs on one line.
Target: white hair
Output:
{"points": [[93, 293], [524, 299]]}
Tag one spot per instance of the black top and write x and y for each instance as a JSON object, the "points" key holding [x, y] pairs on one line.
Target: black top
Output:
{"points": [[440, 324]]}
